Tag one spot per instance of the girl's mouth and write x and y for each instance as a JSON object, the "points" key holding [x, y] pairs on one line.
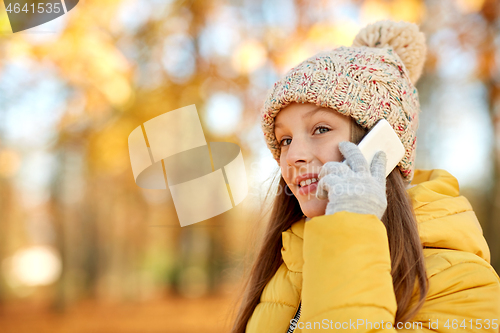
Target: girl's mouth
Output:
{"points": [[303, 190]]}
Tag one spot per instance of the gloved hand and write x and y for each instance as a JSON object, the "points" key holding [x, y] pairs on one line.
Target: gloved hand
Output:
{"points": [[353, 186]]}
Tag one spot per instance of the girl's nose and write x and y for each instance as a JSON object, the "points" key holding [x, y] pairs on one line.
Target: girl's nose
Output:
{"points": [[298, 152]]}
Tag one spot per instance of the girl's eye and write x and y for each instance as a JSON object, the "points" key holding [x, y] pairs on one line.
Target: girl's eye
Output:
{"points": [[281, 143], [317, 128], [320, 127]]}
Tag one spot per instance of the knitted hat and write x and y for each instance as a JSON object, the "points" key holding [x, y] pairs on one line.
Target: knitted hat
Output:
{"points": [[372, 79]]}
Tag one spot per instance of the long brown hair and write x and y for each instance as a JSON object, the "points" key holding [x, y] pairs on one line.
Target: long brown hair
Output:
{"points": [[407, 258]]}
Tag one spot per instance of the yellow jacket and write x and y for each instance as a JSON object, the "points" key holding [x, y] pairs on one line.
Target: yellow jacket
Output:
{"points": [[339, 266]]}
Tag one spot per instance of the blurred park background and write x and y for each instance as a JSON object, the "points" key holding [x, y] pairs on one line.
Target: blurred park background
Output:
{"points": [[84, 249]]}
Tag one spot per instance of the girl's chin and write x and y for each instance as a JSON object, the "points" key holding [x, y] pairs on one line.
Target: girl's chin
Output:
{"points": [[313, 206], [309, 198]]}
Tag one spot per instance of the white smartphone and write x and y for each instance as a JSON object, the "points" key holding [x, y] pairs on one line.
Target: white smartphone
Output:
{"points": [[382, 137]]}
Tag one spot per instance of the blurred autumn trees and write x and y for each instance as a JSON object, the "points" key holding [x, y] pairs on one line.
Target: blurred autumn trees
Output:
{"points": [[118, 64]]}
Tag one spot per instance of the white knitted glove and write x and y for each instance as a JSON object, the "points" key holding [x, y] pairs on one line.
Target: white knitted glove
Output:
{"points": [[351, 185]]}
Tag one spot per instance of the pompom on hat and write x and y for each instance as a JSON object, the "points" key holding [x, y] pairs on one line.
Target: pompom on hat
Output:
{"points": [[374, 78]]}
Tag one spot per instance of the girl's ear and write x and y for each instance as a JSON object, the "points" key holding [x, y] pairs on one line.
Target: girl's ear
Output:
{"points": [[352, 130], [358, 132]]}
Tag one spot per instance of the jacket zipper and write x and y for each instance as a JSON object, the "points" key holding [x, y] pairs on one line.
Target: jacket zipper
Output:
{"points": [[295, 320]]}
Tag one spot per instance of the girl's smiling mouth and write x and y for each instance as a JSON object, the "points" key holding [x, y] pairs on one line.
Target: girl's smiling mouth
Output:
{"points": [[303, 190]]}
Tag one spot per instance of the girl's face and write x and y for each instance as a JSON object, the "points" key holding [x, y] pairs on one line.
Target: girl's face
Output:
{"points": [[309, 136]]}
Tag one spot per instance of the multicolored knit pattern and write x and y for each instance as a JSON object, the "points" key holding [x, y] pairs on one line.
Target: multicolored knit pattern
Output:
{"points": [[366, 83]]}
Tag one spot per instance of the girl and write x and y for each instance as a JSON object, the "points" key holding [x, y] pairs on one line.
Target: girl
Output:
{"points": [[347, 248]]}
